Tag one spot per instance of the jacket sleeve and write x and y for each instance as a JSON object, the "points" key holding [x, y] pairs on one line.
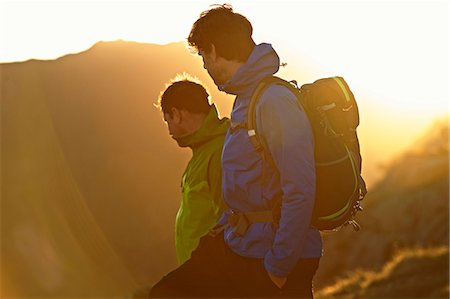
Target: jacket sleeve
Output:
{"points": [[285, 129], [215, 182]]}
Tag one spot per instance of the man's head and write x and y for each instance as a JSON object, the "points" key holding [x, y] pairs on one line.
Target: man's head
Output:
{"points": [[184, 104], [224, 40]]}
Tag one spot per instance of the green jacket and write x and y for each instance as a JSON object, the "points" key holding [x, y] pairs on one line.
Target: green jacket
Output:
{"points": [[201, 184]]}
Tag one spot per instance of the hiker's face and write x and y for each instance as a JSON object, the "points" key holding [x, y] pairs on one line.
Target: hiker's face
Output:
{"points": [[211, 63], [174, 124]]}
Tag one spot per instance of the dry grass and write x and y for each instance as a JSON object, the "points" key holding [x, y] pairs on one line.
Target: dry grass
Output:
{"points": [[414, 273]]}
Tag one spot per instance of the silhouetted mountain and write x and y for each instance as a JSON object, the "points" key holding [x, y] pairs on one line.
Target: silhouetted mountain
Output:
{"points": [[87, 160], [408, 209]]}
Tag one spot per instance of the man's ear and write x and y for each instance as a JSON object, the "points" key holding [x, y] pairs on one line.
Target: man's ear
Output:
{"points": [[214, 56], [213, 52], [176, 115]]}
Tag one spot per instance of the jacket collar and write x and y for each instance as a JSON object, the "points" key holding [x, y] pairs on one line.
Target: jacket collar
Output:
{"points": [[263, 62], [211, 127]]}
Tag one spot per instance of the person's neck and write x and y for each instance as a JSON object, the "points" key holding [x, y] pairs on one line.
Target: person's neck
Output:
{"points": [[232, 68], [193, 123]]}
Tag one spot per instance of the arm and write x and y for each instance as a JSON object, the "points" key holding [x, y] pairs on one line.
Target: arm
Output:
{"points": [[288, 136], [215, 182]]}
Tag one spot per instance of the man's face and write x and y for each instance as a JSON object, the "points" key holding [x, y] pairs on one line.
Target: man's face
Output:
{"points": [[212, 63], [173, 125]]}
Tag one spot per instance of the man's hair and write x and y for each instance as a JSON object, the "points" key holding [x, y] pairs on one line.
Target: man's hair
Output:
{"points": [[184, 92], [229, 32]]}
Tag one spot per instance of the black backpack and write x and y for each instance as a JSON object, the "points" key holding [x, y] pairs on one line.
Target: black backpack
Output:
{"points": [[333, 115]]}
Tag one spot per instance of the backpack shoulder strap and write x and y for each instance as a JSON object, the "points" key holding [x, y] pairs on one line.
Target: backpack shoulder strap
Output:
{"points": [[255, 137], [251, 113]]}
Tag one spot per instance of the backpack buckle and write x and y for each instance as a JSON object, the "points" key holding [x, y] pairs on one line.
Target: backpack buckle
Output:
{"points": [[239, 222]]}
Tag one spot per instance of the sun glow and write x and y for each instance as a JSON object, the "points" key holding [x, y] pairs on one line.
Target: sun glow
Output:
{"points": [[393, 54], [49, 29], [92, 179]]}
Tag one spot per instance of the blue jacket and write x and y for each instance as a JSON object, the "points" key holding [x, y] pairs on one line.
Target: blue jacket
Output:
{"points": [[292, 150]]}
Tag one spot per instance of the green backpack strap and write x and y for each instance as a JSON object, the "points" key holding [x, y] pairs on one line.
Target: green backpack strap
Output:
{"points": [[252, 130]]}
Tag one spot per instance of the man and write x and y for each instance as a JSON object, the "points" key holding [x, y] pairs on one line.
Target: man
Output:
{"points": [[194, 123], [267, 258]]}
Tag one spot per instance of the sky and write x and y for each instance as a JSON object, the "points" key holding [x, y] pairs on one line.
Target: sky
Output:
{"points": [[394, 54]]}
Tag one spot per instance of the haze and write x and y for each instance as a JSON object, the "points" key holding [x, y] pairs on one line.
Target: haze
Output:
{"points": [[394, 54], [90, 177]]}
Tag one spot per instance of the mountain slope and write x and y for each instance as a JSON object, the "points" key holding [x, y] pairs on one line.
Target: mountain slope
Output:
{"points": [[417, 273], [90, 177], [409, 208]]}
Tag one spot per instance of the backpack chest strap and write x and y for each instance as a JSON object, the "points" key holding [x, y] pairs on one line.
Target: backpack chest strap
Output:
{"points": [[241, 221]]}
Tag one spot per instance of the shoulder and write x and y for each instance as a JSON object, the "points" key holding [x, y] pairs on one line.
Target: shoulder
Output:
{"points": [[277, 97], [214, 165], [214, 154]]}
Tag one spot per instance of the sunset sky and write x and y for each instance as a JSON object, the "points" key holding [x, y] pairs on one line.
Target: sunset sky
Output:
{"points": [[394, 54]]}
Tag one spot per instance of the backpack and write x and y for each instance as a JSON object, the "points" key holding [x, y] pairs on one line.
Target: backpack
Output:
{"points": [[333, 114]]}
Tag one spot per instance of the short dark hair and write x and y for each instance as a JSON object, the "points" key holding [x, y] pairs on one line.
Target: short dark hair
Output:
{"points": [[185, 93], [229, 32]]}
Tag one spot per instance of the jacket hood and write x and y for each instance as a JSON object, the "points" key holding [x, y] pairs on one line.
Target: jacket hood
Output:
{"points": [[211, 127], [263, 62]]}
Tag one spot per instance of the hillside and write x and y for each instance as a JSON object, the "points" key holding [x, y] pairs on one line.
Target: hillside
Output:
{"points": [[90, 177], [417, 273], [409, 208]]}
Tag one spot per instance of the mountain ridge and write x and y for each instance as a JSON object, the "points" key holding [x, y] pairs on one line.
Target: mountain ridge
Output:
{"points": [[95, 46]]}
